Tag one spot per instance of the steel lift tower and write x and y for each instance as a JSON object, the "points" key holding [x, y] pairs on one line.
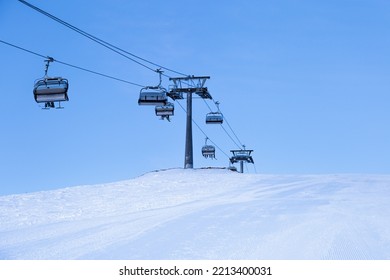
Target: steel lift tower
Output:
{"points": [[189, 85]]}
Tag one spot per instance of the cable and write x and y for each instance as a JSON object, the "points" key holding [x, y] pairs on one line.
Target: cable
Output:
{"points": [[228, 124], [231, 138], [225, 119], [100, 74], [107, 45], [254, 165], [23, 49], [71, 65], [205, 102], [91, 37]]}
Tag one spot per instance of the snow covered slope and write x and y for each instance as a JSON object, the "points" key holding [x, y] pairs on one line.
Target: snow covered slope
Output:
{"points": [[203, 214]]}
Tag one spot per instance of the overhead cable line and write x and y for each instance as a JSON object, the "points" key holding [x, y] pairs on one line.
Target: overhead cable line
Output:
{"points": [[233, 131], [254, 165], [70, 65], [205, 102], [97, 73], [231, 138], [107, 45], [23, 49], [227, 122]]}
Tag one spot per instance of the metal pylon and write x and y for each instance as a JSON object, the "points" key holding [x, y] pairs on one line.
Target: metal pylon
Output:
{"points": [[189, 85]]}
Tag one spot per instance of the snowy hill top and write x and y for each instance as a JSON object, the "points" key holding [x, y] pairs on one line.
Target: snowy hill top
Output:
{"points": [[203, 214]]}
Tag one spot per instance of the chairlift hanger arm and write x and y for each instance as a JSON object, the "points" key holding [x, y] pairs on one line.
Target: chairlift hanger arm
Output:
{"points": [[160, 72], [48, 61]]}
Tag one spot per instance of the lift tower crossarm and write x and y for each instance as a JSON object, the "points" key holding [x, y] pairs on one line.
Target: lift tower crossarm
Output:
{"points": [[190, 78], [192, 87]]}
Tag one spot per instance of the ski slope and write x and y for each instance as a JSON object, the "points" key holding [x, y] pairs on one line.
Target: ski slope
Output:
{"points": [[203, 214]]}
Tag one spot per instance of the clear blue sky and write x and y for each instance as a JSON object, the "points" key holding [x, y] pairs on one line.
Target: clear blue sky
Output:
{"points": [[304, 83]]}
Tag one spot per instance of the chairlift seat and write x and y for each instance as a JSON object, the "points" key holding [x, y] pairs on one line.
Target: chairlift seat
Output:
{"points": [[165, 110], [51, 90], [214, 118], [208, 151], [152, 97]]}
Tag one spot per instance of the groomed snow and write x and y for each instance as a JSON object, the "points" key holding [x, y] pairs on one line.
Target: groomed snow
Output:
{"points": [[203, 214]]}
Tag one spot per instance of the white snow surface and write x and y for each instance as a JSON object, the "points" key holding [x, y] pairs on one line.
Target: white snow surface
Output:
{"points": [[203, 214]]}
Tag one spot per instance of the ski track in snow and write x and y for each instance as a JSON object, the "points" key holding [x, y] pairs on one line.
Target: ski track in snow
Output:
{"points": [[203, 214]]}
